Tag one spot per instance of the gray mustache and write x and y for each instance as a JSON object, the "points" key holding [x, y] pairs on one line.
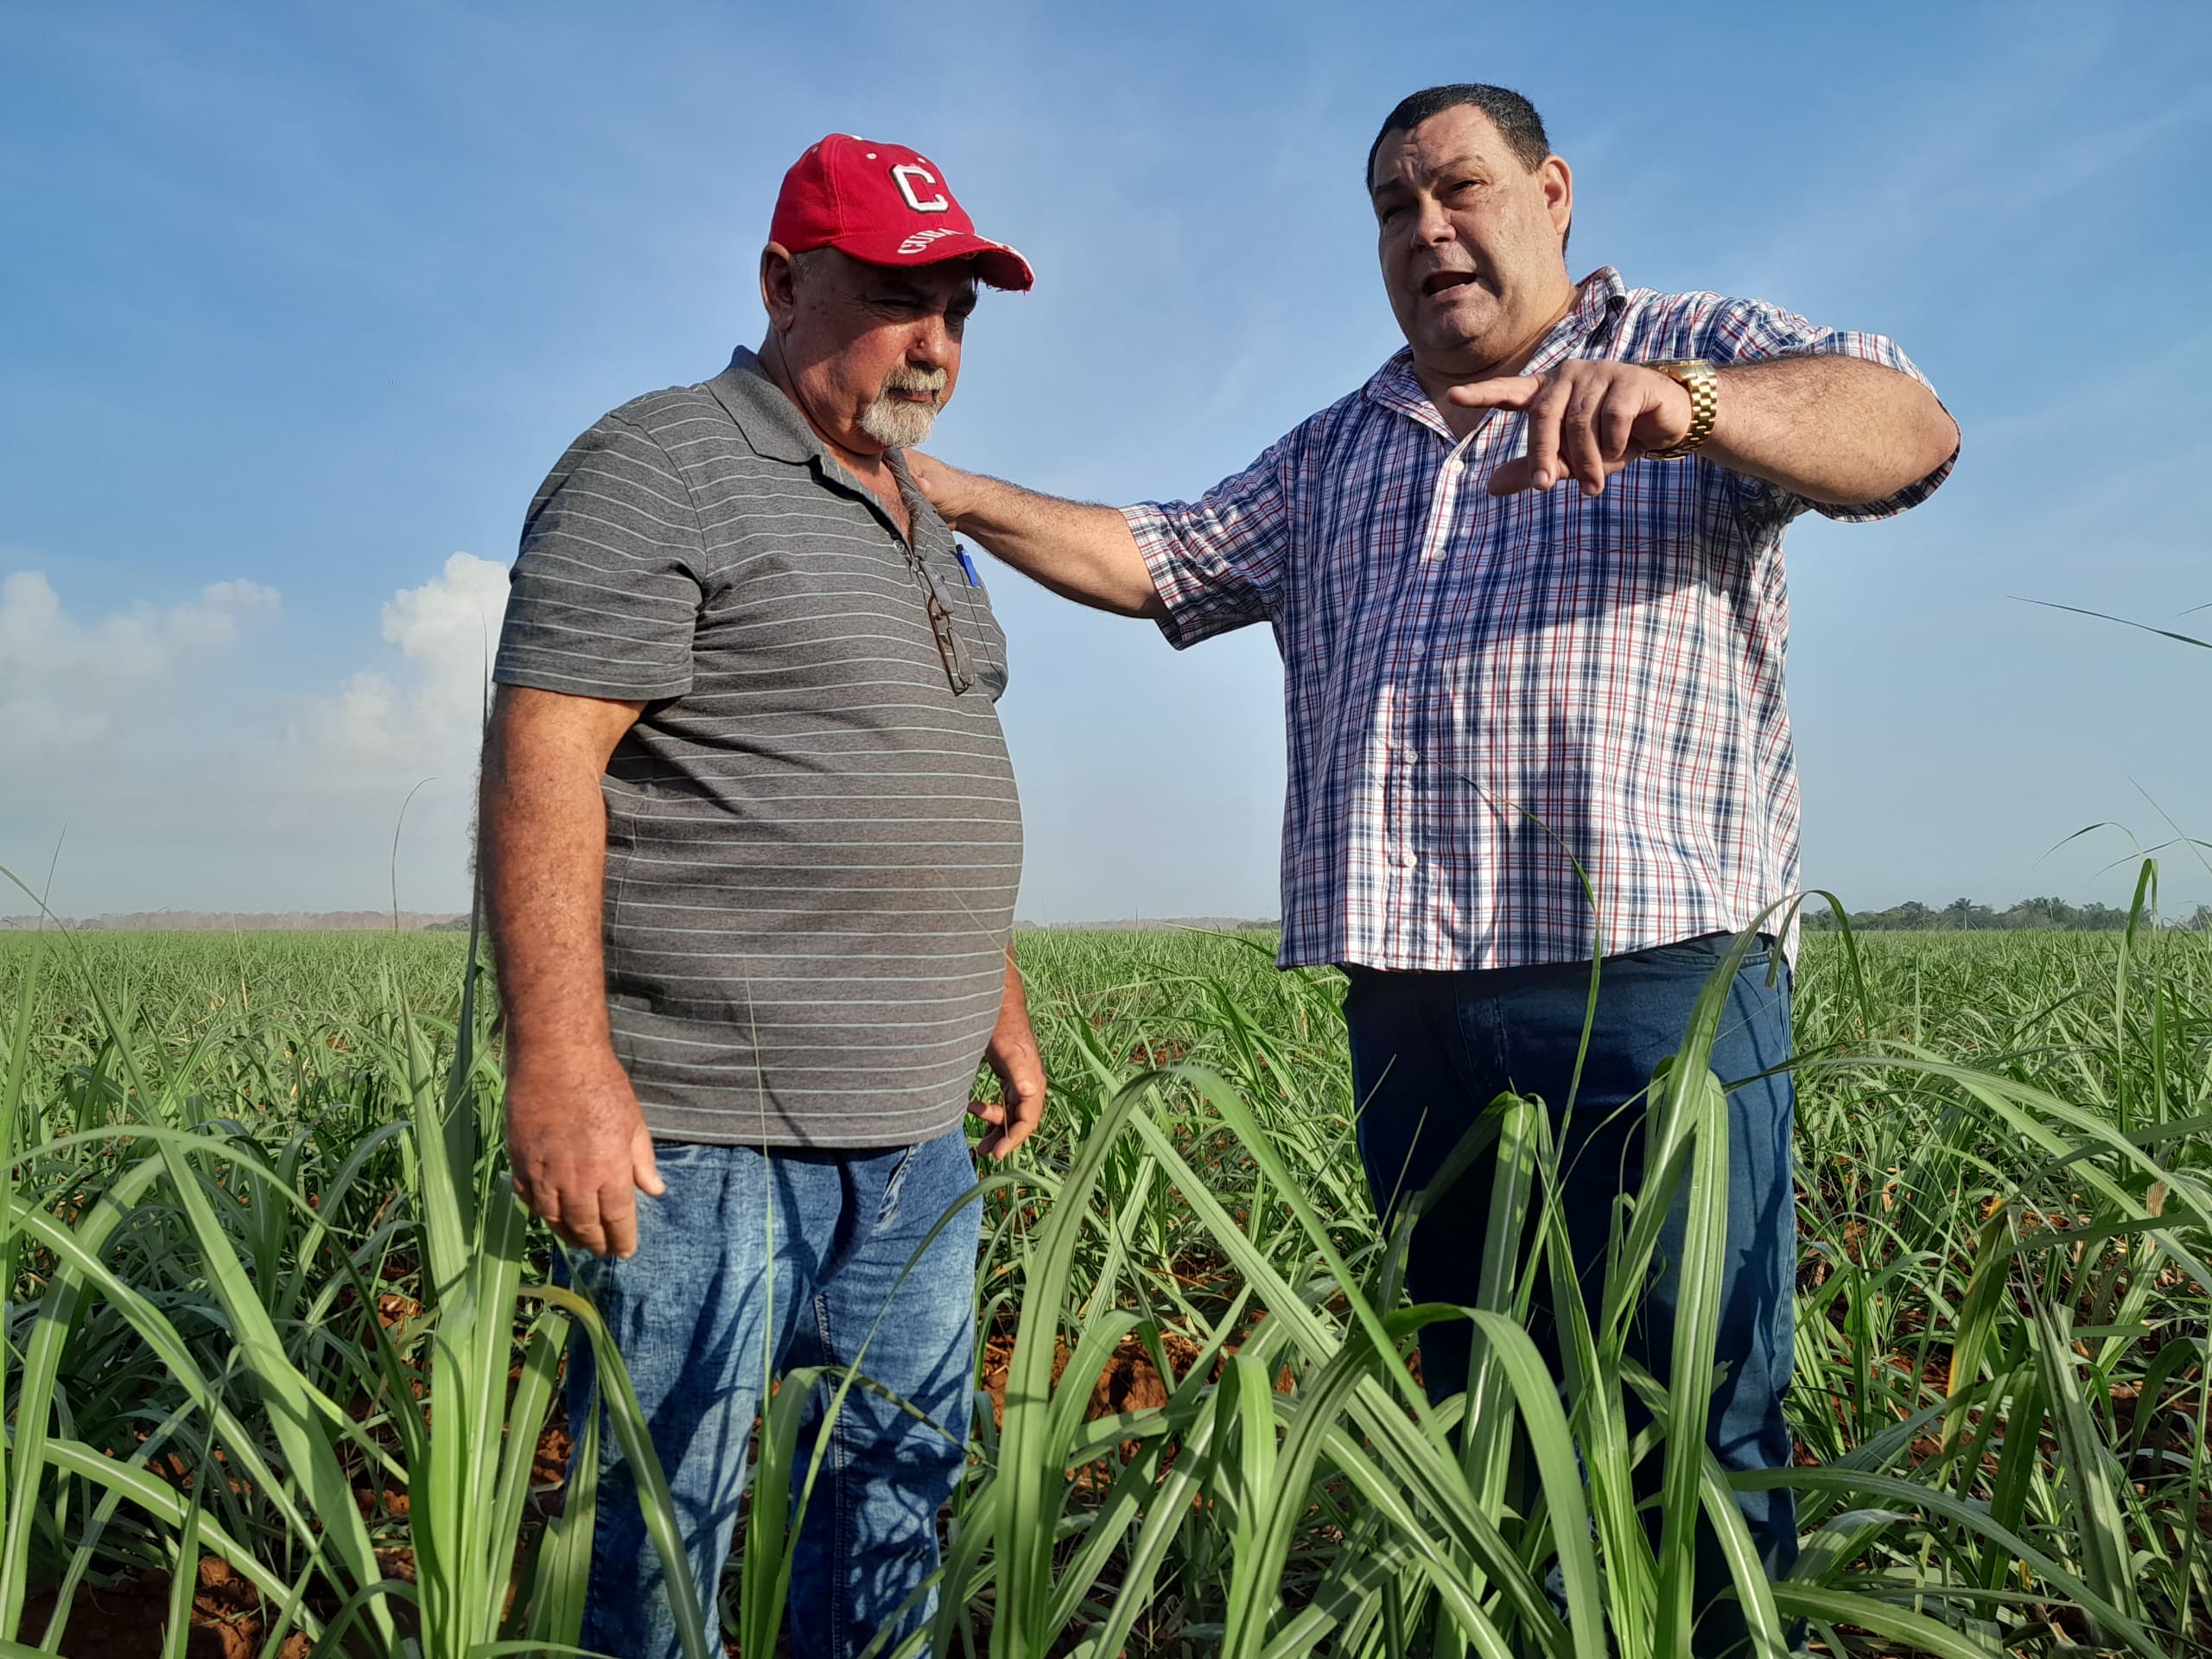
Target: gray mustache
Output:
{"points": [[929, 380]]}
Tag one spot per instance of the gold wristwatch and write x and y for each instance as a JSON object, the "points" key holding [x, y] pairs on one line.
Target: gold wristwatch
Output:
{"points": [[1695, 376]]}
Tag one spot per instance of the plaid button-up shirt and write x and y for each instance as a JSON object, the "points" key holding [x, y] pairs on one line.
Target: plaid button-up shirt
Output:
{"points": [[1483, 692]]}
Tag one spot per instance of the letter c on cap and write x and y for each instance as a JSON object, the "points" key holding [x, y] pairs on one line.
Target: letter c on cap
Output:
{"points": [[904, 176]]}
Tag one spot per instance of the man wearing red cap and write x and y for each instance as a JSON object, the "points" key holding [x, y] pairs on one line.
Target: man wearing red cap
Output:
{"points": [[750, 843]]}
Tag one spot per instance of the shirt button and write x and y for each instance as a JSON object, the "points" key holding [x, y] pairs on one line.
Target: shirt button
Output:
{"points": [[1407, 860]]}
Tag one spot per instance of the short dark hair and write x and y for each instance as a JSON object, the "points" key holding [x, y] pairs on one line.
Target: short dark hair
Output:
{"points": [[1514, 115]]}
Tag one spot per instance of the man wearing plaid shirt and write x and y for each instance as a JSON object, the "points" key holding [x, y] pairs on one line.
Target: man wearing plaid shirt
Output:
{"points": [[1495, 687]]}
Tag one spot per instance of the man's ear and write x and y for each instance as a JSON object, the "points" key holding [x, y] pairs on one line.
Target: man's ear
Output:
{"points": [[779, 287], [1558, 192]]}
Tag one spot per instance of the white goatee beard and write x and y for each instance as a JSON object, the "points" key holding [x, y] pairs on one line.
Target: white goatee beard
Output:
{"points": [[897, 424]]}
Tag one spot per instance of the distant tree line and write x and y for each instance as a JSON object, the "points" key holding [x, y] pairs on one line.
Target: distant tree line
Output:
{"points": [[238, 921], [1964, 916]]}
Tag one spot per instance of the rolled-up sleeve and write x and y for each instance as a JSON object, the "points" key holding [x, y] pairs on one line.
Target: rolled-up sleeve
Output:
{"points": [[604, 592], [1219, 563], [1752, 331]]}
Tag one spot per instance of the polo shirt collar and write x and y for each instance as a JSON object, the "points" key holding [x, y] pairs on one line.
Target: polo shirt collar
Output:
{"points": [[776, 432], [770, 420], [1598, 298]]}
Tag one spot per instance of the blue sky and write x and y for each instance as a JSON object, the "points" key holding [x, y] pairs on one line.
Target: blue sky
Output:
{"points": [[301, 302]]}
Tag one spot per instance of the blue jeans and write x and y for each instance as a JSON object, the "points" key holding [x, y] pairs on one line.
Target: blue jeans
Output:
{"points": [[750, 1264], [1431, 1051]]}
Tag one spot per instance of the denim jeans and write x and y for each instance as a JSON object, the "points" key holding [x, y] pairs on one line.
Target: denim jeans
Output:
{"points": [[1431, 1051], [751, 1264]]}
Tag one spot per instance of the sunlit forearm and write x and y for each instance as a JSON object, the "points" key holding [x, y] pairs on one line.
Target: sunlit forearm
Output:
{"points": [[1833, 429]]}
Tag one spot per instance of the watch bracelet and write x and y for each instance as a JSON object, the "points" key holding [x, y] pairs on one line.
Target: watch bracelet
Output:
{"points": [[1696, 377]]}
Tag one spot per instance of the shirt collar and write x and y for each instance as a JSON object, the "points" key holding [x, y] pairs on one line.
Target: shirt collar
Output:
{"points": [[777, 431], [1598, 298], [770, 420]]}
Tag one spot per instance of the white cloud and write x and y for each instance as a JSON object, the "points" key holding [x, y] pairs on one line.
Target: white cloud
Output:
{"points": [[175, 759], [428, 718], [451, 626], [70, 687]]}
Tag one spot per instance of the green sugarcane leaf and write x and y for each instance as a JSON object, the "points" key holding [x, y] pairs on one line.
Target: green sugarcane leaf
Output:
{"points": [[1883, 1619]]}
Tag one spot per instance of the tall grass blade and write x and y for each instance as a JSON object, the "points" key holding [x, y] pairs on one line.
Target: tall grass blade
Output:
{"points": [[2089, 1472]]}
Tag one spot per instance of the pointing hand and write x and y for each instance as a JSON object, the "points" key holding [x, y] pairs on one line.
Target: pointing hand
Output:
{"points": [[1587, 420]]}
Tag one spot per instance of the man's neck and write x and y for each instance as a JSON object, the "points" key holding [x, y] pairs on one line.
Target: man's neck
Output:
{"points": [[866, 464], [871, 467], [1479, 365]]}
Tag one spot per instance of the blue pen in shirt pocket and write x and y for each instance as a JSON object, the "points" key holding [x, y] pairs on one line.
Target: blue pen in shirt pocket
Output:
{"points": [[967, 565]]}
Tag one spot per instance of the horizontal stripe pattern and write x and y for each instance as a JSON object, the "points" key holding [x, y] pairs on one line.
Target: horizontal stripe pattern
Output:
{"points": [[1491, 698], [813, 845]]}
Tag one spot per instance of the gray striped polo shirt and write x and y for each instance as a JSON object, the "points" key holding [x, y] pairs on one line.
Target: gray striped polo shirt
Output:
{"points": [[813, 842]]}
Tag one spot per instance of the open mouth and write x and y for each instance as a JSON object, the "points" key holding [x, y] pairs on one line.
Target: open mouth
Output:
{"points": [[1443, 282]]}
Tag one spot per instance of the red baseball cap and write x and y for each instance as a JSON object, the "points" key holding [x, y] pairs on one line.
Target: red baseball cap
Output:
{"points": [[887, 205]]}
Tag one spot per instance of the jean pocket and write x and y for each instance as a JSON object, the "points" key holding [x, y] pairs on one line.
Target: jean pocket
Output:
{"points": [[682, 1155], [691, 1171], [929, 1177], [1707, 951], [895, 1188]]}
